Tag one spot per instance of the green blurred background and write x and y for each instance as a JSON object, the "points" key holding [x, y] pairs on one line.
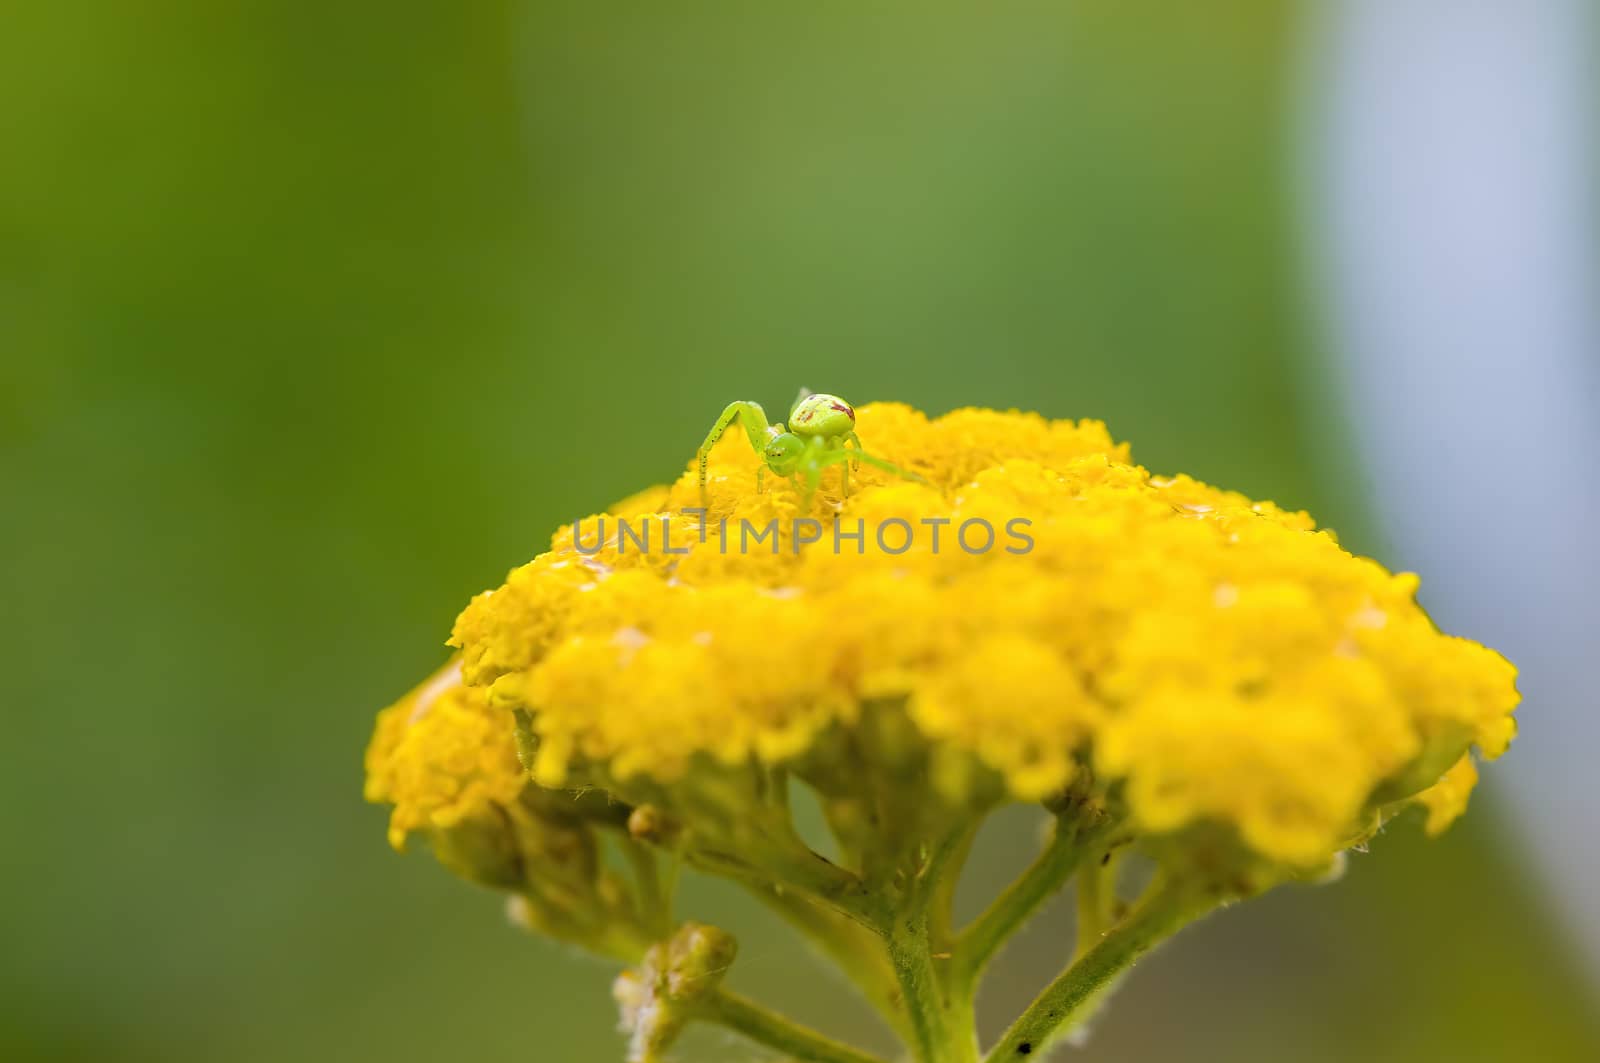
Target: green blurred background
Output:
{"points": [[315, 318]]}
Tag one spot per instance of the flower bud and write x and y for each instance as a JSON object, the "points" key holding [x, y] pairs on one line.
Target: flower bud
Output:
{"points": [[660, 996]]}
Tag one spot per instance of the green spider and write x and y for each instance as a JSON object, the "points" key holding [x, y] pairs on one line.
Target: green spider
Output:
{"points": [[821, 432]]}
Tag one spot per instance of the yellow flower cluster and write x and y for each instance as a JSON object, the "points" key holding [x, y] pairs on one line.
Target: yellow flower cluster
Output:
{"points": [[1219, 661], [441, 756], [447, 761]]}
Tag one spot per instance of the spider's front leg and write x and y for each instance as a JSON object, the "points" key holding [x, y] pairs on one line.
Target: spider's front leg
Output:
{"points": [[751, 417]]}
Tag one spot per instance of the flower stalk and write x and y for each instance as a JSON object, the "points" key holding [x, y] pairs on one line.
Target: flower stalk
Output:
{"points": [[977, 944], [857, 952], [942, 1032], [1068, 1000], [765, 1027]]}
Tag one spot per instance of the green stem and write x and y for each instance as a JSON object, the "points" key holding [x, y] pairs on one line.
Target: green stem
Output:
{"points": [[809, 875], [858, 952], [768, 1028], [977, 945], [623, 939], [832, 885], [1166, 909], [941, 1026], [939, 879], [655, 892], [1097, 900]]}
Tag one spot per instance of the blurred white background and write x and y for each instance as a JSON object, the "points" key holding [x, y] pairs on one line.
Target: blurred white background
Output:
{"points": [[1450, 179]]}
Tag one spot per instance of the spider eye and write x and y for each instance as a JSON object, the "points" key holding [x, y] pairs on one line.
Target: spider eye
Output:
{"points": [[782, 449]]}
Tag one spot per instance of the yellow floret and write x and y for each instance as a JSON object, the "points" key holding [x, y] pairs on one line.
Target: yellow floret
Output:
{"points": [[441, 755], [1219, 660], [1015, 702], [1446, 799]]}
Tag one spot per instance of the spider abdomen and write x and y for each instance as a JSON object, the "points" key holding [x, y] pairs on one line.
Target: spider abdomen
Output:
{"points": [[822, 415]]}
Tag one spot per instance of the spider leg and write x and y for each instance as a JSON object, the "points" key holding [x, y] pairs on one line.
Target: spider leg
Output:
{"points": [[817, 457], [821, 458], [751, 417], [805, 393], [888, 467]]}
